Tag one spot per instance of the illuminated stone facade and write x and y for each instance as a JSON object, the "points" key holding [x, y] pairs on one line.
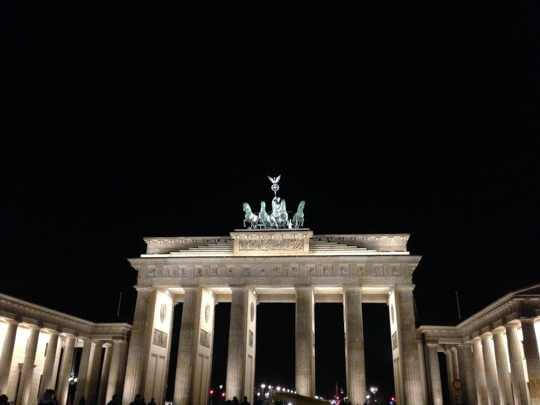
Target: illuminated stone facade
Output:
{"points": [[253, 266], [492, 357], [37, 347]]}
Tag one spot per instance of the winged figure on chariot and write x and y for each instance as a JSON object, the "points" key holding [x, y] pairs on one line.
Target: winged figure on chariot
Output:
{"points": [[279, 217]]}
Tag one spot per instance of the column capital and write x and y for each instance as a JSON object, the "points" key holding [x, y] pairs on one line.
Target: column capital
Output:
{"points": [[50, 329], [487, 335], [85, 339], [513, 324], [30, 323], [107, 345], [12, 321], [499, 330], [404, 288]]}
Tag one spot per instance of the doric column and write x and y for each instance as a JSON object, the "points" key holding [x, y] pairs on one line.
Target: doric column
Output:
{"points": [[115, 383], [28, 365], [451, 376], [354, 345], [305, 341], [457, 374], [139, 342], [105, 369], [65, 369], [6, 355], [241, 358], [467, 374], [422, 359], [532, 357], [82, 377], [94, 373], [435, 374], [149, 345], [518, 374], [503, 364], [48, 366], [480, 372], [195, 347], [405, 354], [491, 368]]}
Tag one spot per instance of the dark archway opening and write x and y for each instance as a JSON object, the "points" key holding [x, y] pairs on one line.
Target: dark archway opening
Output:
{"points": [[378, 350], [330, 349], [274, 363]]}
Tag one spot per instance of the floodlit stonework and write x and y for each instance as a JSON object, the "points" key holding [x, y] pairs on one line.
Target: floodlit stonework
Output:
{"points": [[253, 266], [492, 357], [37, 348]]}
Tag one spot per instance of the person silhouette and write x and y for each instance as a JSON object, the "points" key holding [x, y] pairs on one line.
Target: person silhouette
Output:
{"points": [[139, 400], [245, 401], [115, 400], [48, 398], [4, 400]]}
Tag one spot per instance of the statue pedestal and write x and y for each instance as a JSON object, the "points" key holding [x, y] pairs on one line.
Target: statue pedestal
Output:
{"points": [[271, 242]]}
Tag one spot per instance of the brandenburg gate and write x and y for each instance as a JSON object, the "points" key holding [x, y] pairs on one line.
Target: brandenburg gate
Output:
{"points": [[274, 260]]}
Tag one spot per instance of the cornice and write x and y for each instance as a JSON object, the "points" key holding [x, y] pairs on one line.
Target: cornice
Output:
{"points": [[49, 319]]}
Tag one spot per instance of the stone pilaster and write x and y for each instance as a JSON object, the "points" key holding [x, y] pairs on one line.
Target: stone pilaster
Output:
{"points": [[105, 369], [491, 367], [115, 383], [94, 372], [532, 357], [241, 359], [435, 375], [450, 367], [480, 372], [195, 348], [515, 351], [457, 374], [354, 345], [405, 353], [28, 365], [466, 368], [48, 366], [6, 355], [56, 366], [305, 341], [82, 377], [65, 369], [503, 365], [141, 337], [422, 359]]}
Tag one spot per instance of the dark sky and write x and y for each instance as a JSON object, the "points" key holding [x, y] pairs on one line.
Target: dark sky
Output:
{"points": [[144, 119]]}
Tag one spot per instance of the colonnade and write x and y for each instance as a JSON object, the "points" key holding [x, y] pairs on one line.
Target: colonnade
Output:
{"points": [[149, 349], [34, 358], [500, 366]]}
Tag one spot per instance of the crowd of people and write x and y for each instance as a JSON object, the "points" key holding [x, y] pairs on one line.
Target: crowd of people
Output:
{"points": [[49, 398], [235, 401]]}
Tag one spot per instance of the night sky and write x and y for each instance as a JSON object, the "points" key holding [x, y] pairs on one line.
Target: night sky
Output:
{"points": [[144, 119]]}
